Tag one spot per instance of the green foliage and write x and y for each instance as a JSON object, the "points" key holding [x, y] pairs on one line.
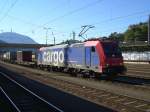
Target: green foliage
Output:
{"points": [[134, 33], [71, 41], [138, 32], [116, 36]]}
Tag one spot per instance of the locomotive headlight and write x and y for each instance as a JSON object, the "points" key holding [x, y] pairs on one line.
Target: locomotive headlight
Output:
{"points": [[107, 64], [120, 63]]}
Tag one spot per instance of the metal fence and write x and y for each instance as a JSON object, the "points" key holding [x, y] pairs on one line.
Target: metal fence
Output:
{"points": [[137, 43]]}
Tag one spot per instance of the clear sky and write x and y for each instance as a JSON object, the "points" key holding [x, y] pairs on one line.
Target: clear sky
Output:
{"points": [[29, 17]]}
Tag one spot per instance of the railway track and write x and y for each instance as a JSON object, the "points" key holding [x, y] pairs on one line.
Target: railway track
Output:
{"points": [[5, 105], [121, 103], [22, 99], [118, 102], [132, 80], [125, 79], [138, 70], [136, 67], [121, 81]]}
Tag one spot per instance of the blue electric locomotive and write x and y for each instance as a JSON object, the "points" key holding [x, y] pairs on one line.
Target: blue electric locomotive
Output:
{"points": [[95, 56]]}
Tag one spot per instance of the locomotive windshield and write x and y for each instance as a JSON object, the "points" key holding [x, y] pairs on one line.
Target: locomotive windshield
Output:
{"points": [[111, 49]]}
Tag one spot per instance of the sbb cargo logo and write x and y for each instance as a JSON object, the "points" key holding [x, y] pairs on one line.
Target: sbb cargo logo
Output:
{"points": [[53, 57]]}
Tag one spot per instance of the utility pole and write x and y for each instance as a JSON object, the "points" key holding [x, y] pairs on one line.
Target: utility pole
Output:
{"points": [[74, 35], [1, 30], [45, 28], [85, 28], [148, 40], [11, 30], [53, 37]]}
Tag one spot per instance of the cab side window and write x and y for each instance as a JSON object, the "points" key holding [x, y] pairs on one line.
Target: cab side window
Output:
{"points": [[92, 49]]}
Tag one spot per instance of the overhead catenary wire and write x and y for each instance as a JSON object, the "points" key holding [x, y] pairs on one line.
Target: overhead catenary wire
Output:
{"points": [[86, 6], [3, 6], [9, 9], [81, 8], [71, 12], [122, 17], [74, 11], [23, 21], [103, 21], [120, 26], [29, 22], [142, 13], [116, 18]]}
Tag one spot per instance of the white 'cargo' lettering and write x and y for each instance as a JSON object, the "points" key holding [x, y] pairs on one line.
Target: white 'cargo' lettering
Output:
{"points": [[54, 57], [61, 57]]}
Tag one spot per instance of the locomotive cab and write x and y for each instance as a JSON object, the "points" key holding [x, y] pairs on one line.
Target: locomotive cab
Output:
{"points": [[104, 57], [113, 61]]}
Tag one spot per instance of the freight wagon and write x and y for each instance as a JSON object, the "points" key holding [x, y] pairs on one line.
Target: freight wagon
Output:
{"points": [[26, 57], [9, 56], [20, 57]]}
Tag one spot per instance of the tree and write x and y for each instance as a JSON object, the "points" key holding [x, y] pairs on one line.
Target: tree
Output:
{"points": [[136, 32], [71, 41], [116, 36]]}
